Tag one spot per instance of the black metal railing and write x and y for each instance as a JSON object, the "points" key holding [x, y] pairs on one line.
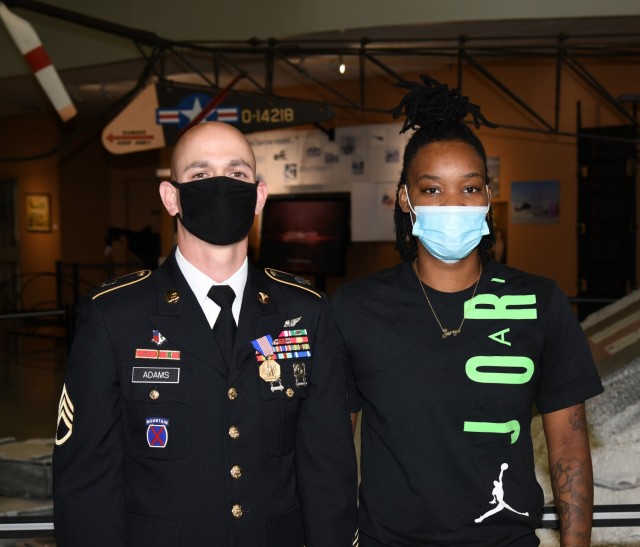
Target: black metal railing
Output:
{"points": [[604, 516]]}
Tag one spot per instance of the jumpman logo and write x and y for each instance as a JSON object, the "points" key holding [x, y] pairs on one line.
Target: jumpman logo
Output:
{"points": [[498, 497]]}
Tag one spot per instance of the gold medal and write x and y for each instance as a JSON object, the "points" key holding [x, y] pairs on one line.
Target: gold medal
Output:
{"points": [[269, 370]]}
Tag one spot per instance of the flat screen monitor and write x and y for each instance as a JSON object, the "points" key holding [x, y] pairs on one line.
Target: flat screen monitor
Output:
{"points": [[306, 233]]}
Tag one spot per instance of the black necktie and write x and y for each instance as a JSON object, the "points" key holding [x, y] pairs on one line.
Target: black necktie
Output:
{"points": [[224, 328]]}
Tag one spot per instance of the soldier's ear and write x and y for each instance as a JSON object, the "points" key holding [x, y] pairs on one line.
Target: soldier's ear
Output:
{"points": [[262, 195], [170, 197]]}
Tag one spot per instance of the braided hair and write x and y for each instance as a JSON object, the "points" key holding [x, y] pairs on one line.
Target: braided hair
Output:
{"points": [[436, 114]]}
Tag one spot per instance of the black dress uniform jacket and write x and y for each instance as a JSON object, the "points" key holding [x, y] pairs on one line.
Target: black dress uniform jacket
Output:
{"points": [[160, 444]]}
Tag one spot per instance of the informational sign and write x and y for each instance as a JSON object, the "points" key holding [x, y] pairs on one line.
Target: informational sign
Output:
{"points": [[134, 129], [158, 115]]}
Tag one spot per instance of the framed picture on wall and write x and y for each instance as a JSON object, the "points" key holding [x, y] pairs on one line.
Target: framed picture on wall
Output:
{"points": [[535, 202], [38, 212]]}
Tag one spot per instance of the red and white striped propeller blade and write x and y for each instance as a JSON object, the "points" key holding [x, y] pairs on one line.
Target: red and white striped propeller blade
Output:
{"points": [[30, 46]]}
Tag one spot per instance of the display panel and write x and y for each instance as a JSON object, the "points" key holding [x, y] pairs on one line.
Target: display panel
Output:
{"points": [[306, 233]]}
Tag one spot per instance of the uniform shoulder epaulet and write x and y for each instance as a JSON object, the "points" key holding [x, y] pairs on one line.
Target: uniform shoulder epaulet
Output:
{"points": [[293, 280], [120, 282]]}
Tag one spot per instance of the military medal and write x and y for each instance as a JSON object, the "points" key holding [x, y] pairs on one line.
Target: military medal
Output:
{"points": [[269, 370], [300, 374]]}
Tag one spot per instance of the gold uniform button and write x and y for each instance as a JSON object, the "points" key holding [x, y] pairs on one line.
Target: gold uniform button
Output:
{"points": [[234, 432], [236, 472], [236, 510], [289, 392], [154, 394], [232, 393]]}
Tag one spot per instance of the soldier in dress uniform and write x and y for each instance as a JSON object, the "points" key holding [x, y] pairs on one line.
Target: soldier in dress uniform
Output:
{"points": [[175, 431]]}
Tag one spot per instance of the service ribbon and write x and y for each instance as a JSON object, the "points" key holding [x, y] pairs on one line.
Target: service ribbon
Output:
{"points": [[264, 346]]}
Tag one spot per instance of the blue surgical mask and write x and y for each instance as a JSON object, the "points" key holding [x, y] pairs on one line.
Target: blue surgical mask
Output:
{"points": [[449, 233]]}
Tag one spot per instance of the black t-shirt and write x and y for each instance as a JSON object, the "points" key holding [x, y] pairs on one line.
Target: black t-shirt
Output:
{"points": [[446, 421]]}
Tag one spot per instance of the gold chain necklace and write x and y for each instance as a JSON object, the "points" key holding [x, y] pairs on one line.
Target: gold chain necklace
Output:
{"points": [[445, 332]]}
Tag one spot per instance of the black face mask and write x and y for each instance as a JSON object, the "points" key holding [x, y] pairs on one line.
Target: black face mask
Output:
{"points": [[218, 210]]}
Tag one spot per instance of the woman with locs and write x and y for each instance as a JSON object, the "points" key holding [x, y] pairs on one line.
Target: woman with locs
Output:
{"points": [[447, 354]]}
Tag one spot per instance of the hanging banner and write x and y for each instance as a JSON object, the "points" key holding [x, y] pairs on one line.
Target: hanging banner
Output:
{"points": [[156, 117]]}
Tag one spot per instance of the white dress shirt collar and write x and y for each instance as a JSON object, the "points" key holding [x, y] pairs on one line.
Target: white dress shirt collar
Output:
{"points": [[200, 283]]}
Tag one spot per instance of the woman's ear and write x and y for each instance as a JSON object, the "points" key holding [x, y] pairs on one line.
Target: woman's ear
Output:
{"points": [[403, 199]]}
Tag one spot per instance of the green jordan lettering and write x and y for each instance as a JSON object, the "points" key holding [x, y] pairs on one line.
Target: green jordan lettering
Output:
{"points": [[512, 427], [499, 337], [500, 369], [498, 307], [519, 369]]}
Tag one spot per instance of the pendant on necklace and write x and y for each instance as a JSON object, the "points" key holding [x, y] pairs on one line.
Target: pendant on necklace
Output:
{"points": [[445, 332]]}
